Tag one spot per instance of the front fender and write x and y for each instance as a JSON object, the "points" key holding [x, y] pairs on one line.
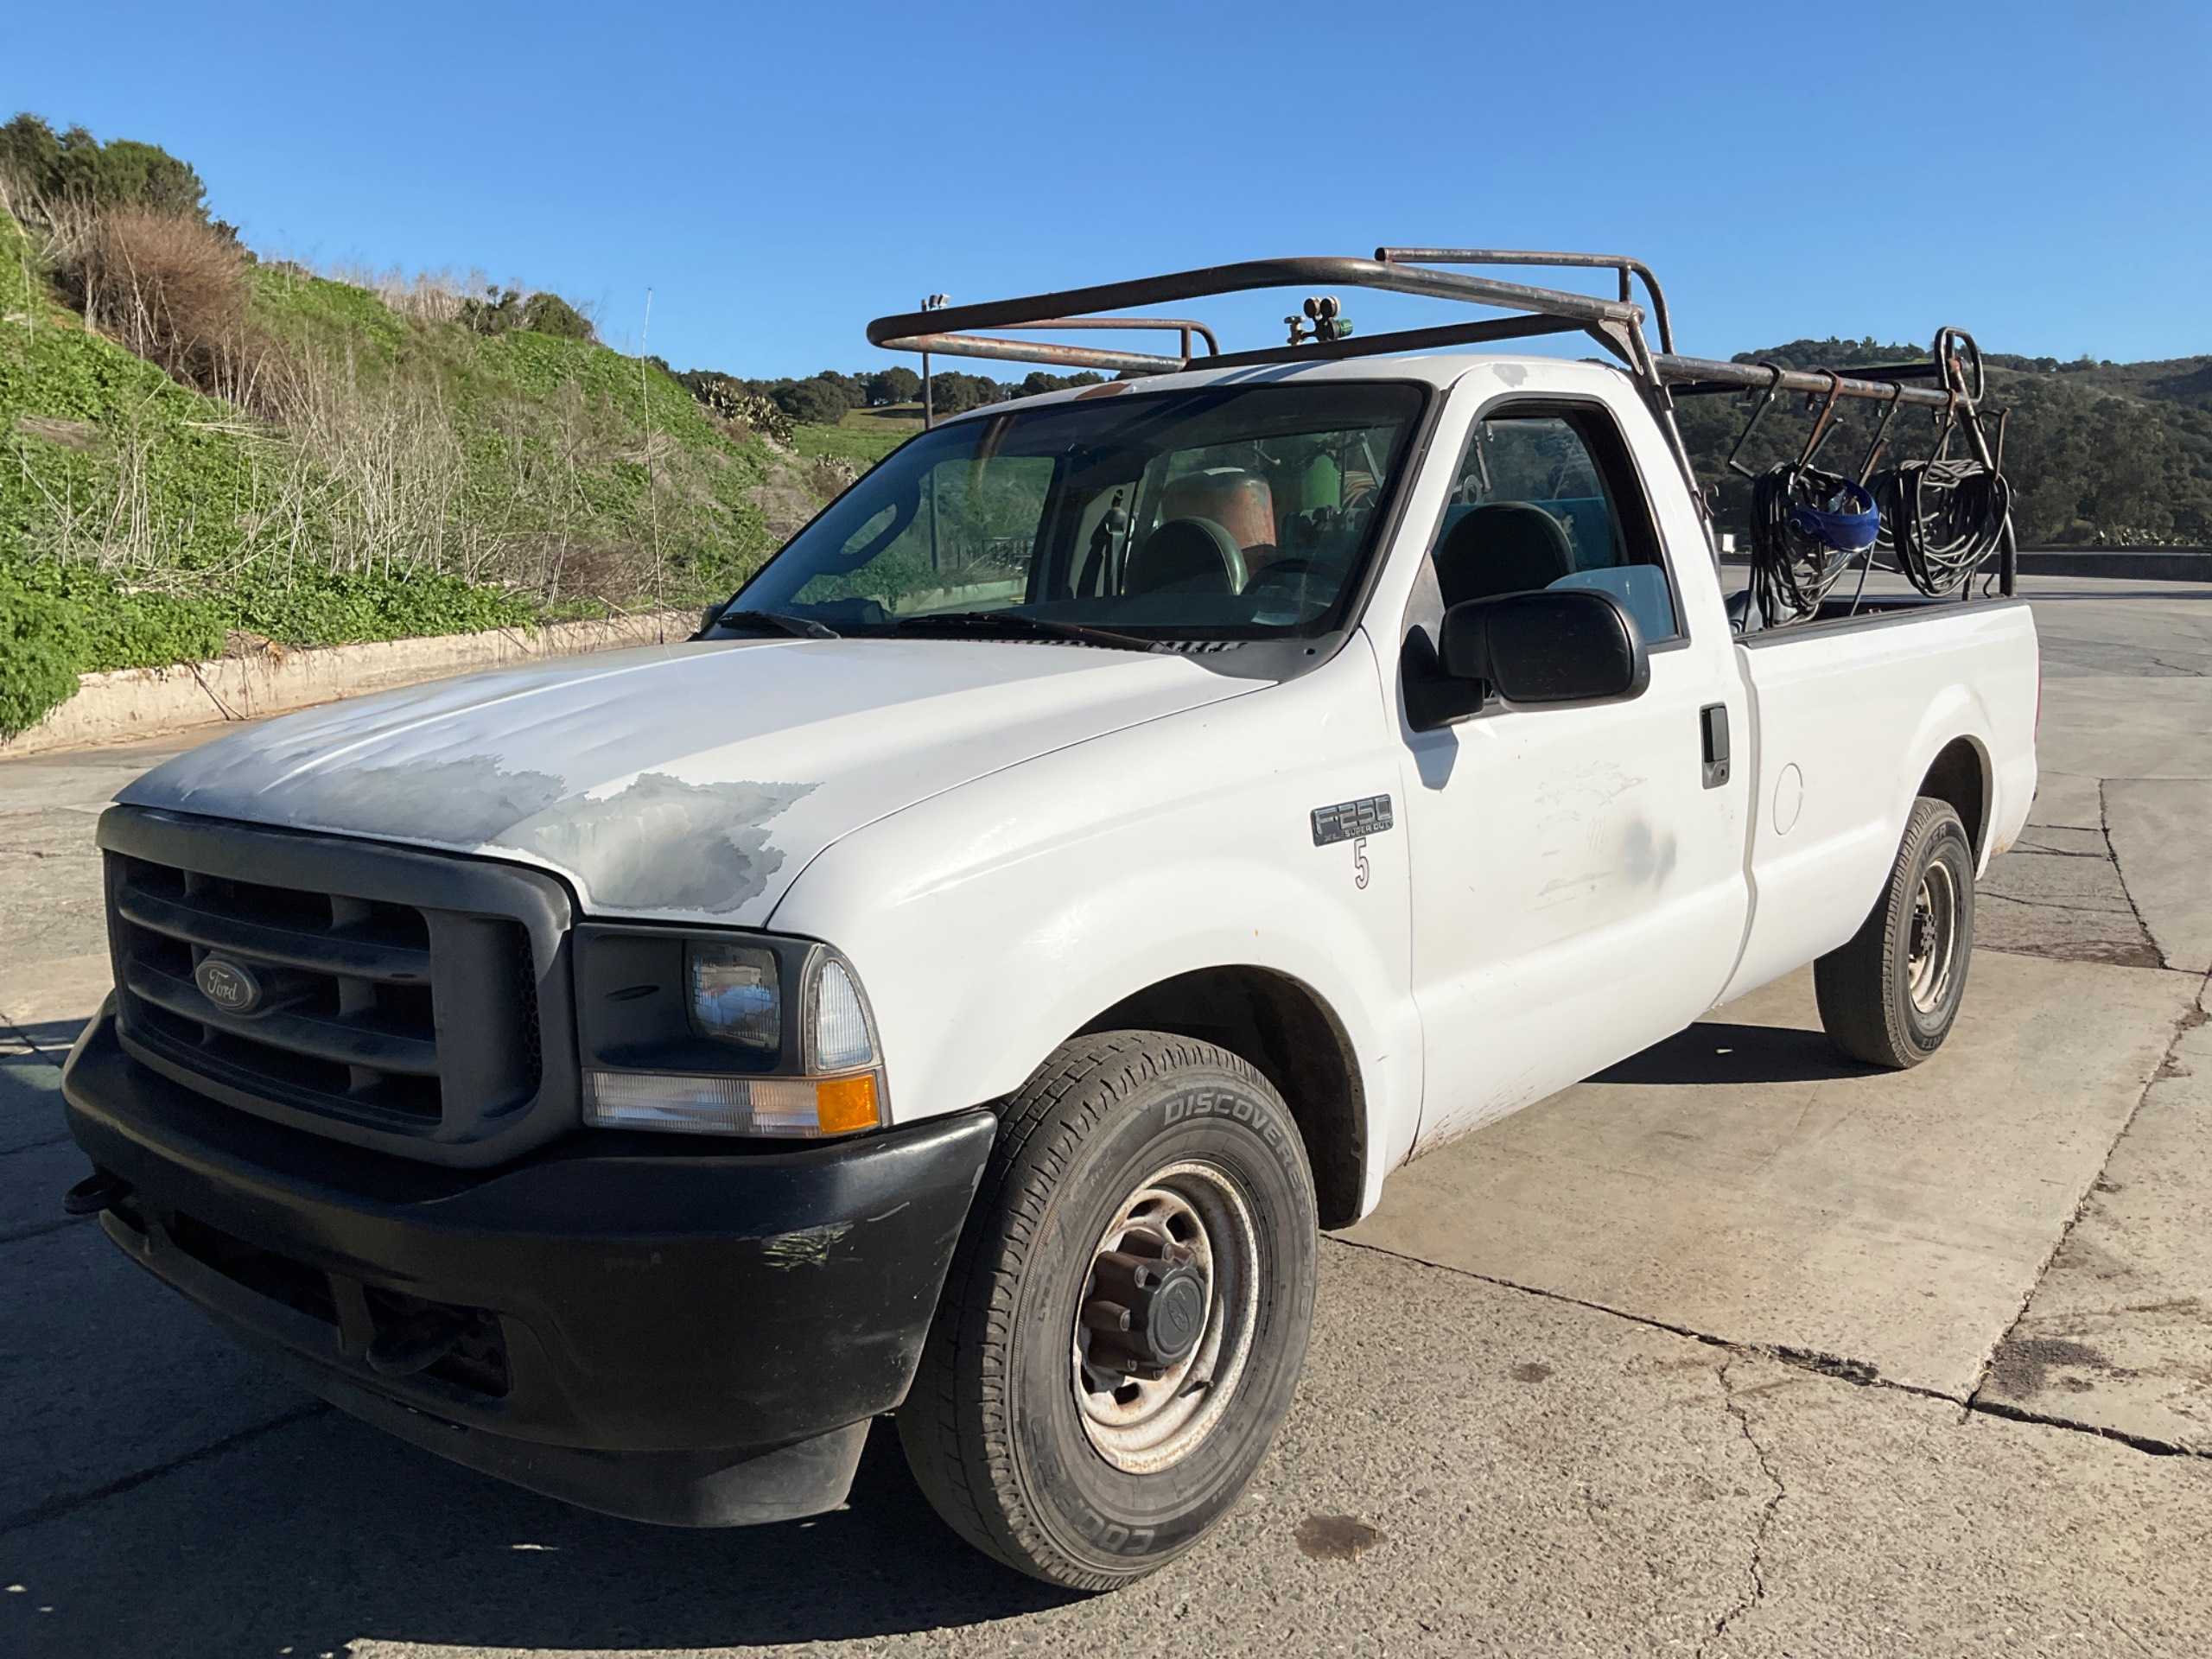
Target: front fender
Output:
{"points": [[991, 923]]}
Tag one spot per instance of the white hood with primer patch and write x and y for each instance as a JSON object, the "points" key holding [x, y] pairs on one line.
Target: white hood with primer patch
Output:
{"points": [[676, 782]]}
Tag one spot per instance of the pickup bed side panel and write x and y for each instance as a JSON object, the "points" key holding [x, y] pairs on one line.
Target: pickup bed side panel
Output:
{"points": [[992, 922], [1846, 721]]}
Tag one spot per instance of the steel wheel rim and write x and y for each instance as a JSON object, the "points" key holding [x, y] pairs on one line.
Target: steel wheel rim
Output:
{"points": [[1933, 942], [1141, 1424]]}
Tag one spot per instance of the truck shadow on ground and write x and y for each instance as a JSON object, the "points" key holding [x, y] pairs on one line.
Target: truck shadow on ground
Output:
{"points": [[324, 1533], [1715, 1050]]}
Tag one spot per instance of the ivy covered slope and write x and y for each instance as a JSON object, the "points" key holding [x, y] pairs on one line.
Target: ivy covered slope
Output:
{"points": [[361, 474]]}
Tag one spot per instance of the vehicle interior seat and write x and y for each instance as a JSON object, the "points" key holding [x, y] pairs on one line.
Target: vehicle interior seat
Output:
{"points": [[1500, 547], [1241, 502], [1186, 555]]}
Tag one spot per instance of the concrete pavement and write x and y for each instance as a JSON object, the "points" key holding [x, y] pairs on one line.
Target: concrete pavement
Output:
{"points": [[1734, 1350]]}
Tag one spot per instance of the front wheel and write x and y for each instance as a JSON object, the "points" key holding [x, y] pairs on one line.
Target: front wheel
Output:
{"points": [[1889, 997], [1125, 1317]]}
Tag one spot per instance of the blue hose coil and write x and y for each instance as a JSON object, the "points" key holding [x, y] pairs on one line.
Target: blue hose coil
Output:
{"points": [[1852, 529]]}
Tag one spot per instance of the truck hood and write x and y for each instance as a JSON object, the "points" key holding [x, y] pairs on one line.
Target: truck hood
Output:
{"points": [[677, 782]]}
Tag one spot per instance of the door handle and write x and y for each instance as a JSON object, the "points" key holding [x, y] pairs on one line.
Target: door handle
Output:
{"points": [[1713, 733]]}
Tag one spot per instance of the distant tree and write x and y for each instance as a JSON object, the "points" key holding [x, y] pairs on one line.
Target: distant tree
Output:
{"points": [[123, 172], [30, 153], [894, 386], [818, 402]]}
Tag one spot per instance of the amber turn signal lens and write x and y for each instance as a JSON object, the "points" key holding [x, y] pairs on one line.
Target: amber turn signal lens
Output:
{"points": [[844, 1104]]}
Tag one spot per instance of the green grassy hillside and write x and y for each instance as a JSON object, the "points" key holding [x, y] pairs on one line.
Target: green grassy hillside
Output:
{"points": [[863, 437], [369, 473]]}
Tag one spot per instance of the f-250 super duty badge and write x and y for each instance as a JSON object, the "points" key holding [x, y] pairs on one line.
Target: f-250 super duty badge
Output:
{"points": [[1348, 820]]}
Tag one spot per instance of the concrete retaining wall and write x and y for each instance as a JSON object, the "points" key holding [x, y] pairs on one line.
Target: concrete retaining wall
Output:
{"points": [[131, 704]]}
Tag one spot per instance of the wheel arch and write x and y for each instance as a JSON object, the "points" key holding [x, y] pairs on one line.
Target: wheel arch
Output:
{"points": [[1287, 1031], [1960, 775]]}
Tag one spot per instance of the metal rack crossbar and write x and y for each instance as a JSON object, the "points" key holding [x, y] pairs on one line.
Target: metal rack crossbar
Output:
{"points": [[1617, 324]]}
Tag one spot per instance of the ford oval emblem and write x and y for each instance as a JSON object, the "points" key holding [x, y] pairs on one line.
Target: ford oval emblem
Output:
{"points": [[229, 985]]}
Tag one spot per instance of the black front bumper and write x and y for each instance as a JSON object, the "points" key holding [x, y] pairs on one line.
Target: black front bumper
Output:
{"points": [[651, 1327]]}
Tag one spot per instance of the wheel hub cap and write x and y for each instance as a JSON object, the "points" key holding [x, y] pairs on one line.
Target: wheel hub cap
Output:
{"points": [[1147, 1307], [1165, 1319], [1931, 941]]}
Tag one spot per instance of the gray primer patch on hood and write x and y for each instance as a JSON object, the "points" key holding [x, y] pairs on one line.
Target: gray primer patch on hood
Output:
{"points": [[660, 843], [465, 801]]}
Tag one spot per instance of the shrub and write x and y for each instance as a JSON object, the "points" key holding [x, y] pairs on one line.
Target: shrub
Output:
{"points": [[40, 642], [830, 476], [737, 403], [549, 314], [169, 287], [502, 309]]}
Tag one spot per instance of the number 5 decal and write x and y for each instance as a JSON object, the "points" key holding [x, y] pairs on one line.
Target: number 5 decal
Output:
{"points": [[1359, 863]]}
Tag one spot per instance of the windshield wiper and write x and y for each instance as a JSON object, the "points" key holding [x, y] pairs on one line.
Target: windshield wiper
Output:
{"points": [[1016, 625], [799, 627]]}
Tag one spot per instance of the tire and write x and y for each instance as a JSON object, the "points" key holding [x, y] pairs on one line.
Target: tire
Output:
{"points": [[1890, 995], [993, 1428]]}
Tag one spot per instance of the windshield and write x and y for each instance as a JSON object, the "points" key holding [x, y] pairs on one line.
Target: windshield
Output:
{"points": [[1217, 512]]}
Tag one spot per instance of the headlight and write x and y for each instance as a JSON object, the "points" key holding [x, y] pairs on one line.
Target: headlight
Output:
{"points": [[736, 995], [706, 1033]]}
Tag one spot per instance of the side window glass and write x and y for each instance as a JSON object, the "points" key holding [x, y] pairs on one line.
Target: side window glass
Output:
{"points": [[1546, 500]]}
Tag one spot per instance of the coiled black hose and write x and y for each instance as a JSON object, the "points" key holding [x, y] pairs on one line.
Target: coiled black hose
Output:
{"points": [[1942, 519], [1793, 569]]}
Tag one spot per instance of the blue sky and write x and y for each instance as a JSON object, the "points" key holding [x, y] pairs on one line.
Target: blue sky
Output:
{"points": [[2040, 174]]}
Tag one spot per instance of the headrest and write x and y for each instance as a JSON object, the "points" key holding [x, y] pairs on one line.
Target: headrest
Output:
{"points": [[1186, 555], [1502, 547]]}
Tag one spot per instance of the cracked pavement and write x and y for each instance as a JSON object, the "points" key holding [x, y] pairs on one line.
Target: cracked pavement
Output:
{"points": [[1736, 1349]]}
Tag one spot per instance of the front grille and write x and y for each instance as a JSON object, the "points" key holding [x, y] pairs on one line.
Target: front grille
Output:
{"points": [[341, 997]]}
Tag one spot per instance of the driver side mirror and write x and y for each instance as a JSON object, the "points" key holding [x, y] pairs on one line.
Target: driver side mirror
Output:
{"points": [[1553, 646]]}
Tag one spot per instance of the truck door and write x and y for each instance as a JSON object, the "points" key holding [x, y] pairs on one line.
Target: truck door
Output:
{"points": [[1578, 884]]}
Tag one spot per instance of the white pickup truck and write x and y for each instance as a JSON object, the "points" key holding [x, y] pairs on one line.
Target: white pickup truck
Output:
{"points": [[1112, 837]]}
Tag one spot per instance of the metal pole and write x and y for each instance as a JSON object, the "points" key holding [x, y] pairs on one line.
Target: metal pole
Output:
{"points": [[931, 302]]}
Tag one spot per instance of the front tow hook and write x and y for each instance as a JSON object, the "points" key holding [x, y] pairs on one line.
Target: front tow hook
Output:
{"points": [[96, 1192]]}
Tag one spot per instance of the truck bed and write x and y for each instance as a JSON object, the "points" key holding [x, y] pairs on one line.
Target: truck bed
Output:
{"points": [[1849, 714]]}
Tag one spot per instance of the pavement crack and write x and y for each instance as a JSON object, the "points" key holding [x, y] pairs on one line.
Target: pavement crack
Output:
{"points": [[2148, 1444], [1757, 1567], [2052, 903], [69, 1502], [1836, 1368], [19, 1234], [1858, 1372], [2119, 875], [54, 1140]]}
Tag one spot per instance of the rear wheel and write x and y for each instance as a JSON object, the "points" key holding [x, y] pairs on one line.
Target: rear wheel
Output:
{"points": [[1890, 995], [1126, 1314]]}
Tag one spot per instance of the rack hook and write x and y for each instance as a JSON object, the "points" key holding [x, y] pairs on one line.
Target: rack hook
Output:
{"points": [[1766, 397], [1825, 423], [1881, 433]]}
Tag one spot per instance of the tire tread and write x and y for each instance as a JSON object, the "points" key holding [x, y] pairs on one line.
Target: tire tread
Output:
{"points": [[965, 1467], [1853, 983]]}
